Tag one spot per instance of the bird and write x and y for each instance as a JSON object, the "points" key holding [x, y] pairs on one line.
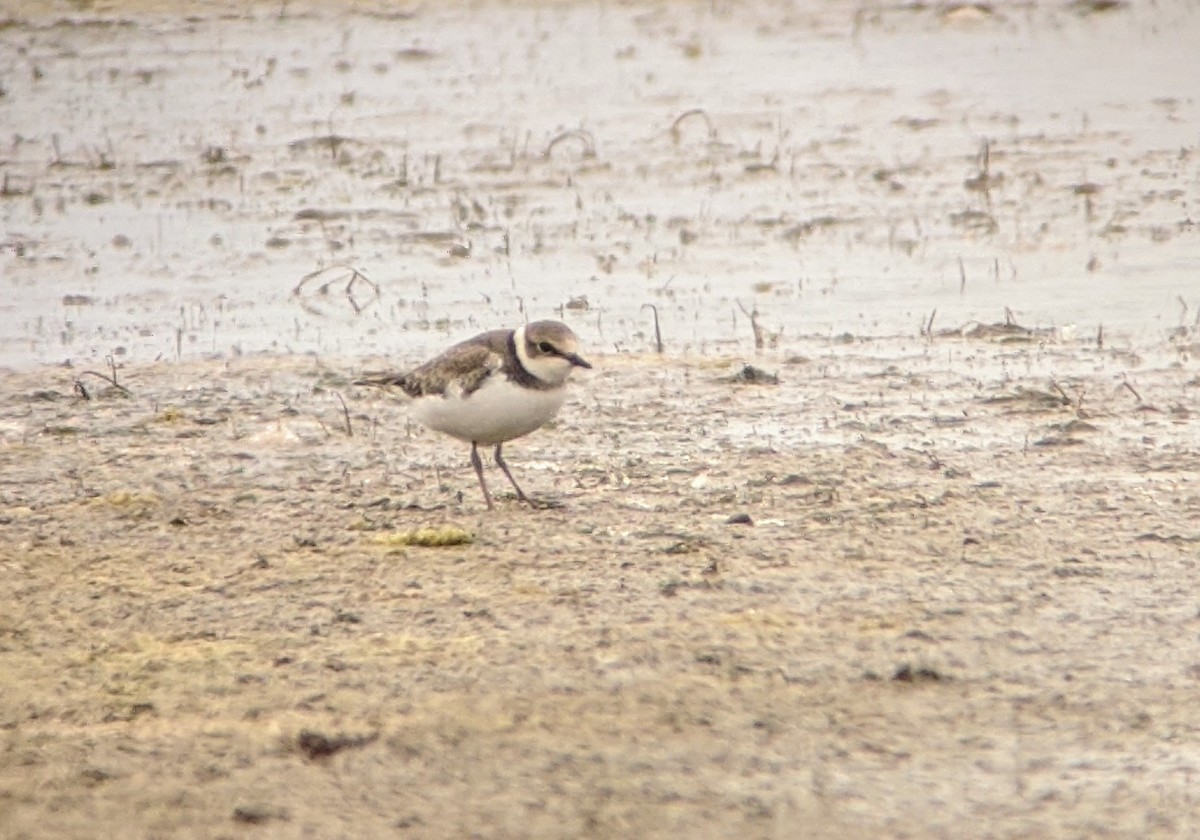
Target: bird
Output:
{"points": [[495, 387]]}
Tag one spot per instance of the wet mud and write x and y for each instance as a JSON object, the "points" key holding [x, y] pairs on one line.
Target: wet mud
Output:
{"points": [[896, 536]]}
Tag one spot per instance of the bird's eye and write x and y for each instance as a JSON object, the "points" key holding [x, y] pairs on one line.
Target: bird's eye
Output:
{"points": [[546, 347]]}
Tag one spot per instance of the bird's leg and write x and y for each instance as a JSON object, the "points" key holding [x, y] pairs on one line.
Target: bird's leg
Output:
{"points": [[477, 463], [500, 462]]}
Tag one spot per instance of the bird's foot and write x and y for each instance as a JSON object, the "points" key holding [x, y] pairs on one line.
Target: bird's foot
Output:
{"points": [[542, 503]]}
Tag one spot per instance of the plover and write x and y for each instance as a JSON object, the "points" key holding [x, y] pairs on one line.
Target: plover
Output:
{"points": [[493, 388]]}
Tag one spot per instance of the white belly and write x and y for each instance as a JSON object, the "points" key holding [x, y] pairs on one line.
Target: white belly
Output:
{"points": [[497, 412]]}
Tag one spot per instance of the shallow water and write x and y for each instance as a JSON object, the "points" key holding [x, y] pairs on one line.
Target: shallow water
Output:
{"points": [[169, 181]]}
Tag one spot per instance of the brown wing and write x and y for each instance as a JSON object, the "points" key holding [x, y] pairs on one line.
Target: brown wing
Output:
{"points": [[463, 368]]}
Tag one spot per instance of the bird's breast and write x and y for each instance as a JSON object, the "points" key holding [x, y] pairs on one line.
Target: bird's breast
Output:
{"points": [[498, 411]]}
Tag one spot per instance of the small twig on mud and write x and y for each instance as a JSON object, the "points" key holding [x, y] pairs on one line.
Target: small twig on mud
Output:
{"points": [[111, 380], [356, 276], [769, 166], [694, 112], [1066, 399], [754, 325], [1076, 402], [589, 143], [658, 342], [1126, 383], [304, 280], [982, 180], [927, 327], [345, 414]]}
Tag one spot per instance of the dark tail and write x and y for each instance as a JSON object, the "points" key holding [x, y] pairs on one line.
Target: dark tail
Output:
{"points": [[389, 380]]}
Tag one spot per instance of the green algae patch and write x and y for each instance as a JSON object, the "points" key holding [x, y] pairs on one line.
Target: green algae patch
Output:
{"points": [[446, 535]]}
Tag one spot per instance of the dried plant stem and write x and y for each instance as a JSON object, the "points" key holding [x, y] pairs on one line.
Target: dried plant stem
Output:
{"points": [[927, 327], [585, 137], [755, 327], [694, 112], [1127, 384], [658, 342], [345, 415], [111, 379]]}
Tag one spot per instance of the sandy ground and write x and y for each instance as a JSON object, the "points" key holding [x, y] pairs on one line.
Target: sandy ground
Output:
{"points": [[963, 604], [937, 581]]}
